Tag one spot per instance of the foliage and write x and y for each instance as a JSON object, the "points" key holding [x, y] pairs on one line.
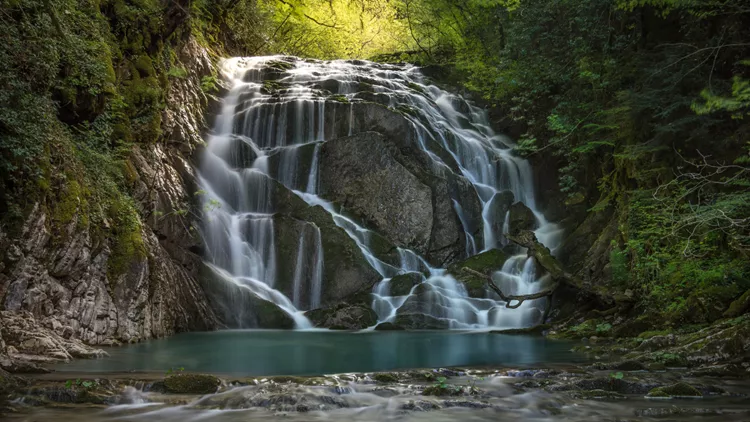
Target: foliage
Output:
{"points": [[641, 106], [332, 29]]}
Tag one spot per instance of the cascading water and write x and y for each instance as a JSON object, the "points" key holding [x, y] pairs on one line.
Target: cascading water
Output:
{"points": [[257, 127]]}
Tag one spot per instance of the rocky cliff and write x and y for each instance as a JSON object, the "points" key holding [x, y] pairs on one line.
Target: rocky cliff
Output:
{"points": [[63, 284]]}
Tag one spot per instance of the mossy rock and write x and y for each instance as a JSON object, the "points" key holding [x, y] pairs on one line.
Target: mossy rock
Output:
{"points": [[418, 321], [191, 384], [485, 263], [537, 330], [680, 389], [343, 316], [402, 284], [628, 365], [385, 377], [339, 98], [442, 390], [739, 306], [389, 326]]}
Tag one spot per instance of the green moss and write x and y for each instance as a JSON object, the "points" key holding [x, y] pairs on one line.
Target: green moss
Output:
{"points": [[70, 201], [739, 306], [680, 389], [127, 244], [402, 284], [191, 384], [416, 87], [649, 334], [485, 263], [144, 65], [279, 65], [442, 390], [270, 87], [339, 98], [385, 377]]}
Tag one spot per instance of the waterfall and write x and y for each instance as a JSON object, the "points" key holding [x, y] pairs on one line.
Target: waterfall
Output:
{"points": [[261, 138]]}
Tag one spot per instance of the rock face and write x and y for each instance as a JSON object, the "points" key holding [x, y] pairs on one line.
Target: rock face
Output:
{"points": [[520, 217], [344, 317], [442, 239], [485, 263], [67, 283], [359, 173]]}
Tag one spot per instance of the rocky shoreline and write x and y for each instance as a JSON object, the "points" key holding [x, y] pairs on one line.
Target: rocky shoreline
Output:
{"points": [[711, 363], [562, 391]]}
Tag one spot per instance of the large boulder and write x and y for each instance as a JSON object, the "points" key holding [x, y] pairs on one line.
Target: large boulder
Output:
{"points": [[485, 263], [520, 217], [359, 173], [344, 316], [238, 306], [402, 284], [420, 321], [346, 271], [499, 206]]}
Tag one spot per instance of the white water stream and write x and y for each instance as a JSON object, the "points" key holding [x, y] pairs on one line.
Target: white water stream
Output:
{"points": [[239, 211]]}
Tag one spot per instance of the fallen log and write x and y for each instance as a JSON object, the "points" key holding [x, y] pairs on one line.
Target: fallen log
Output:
{"points": [[510, 298]]}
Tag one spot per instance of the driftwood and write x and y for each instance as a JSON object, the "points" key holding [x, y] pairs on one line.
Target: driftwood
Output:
{"points": [[510, 298]]}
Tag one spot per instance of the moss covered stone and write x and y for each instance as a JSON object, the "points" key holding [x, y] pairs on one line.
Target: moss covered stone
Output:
{"points": [[385, 377], [485, 263], [191, 384], [402, 284], [739, 306], [680, 389]]}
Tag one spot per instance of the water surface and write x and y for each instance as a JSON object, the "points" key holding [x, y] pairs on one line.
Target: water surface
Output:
{"points": [[270, 352]]}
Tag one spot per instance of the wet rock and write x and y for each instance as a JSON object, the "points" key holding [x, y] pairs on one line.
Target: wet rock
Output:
{"points": [[520, 217], [680, 389], [419, 321], [739, 306], [359, 173], [343, 316], [239, 307], [720, 371], [467, 404], [485, 263], [597, 394], [420, 406], [499, 206], [402, 284], [443, 390], [609, 384], [537, 329], [76, 392], [628, 365], [385, 377], [76, 274], [191, 384], [345, 270], [658, 342], [389, 326], [660, 412]]}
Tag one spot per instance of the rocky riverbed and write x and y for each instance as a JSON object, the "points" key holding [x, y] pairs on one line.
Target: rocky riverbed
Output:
{"points": [[559, 393]]}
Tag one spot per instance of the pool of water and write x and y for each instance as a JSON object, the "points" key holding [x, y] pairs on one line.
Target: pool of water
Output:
{"points": [[269, 352]]}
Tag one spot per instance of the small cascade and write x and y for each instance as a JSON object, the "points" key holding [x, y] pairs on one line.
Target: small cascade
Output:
{"points": [[308, 267], [273, 132]]}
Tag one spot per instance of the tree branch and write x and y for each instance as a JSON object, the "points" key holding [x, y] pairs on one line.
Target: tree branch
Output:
{"points": [[510, 298]]}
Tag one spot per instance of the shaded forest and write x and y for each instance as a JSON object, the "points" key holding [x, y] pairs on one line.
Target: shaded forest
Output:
{"points": [[636, 110]]}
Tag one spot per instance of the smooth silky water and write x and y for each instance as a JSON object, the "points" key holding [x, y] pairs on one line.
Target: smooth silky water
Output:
{"points": [[239, 207]]}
